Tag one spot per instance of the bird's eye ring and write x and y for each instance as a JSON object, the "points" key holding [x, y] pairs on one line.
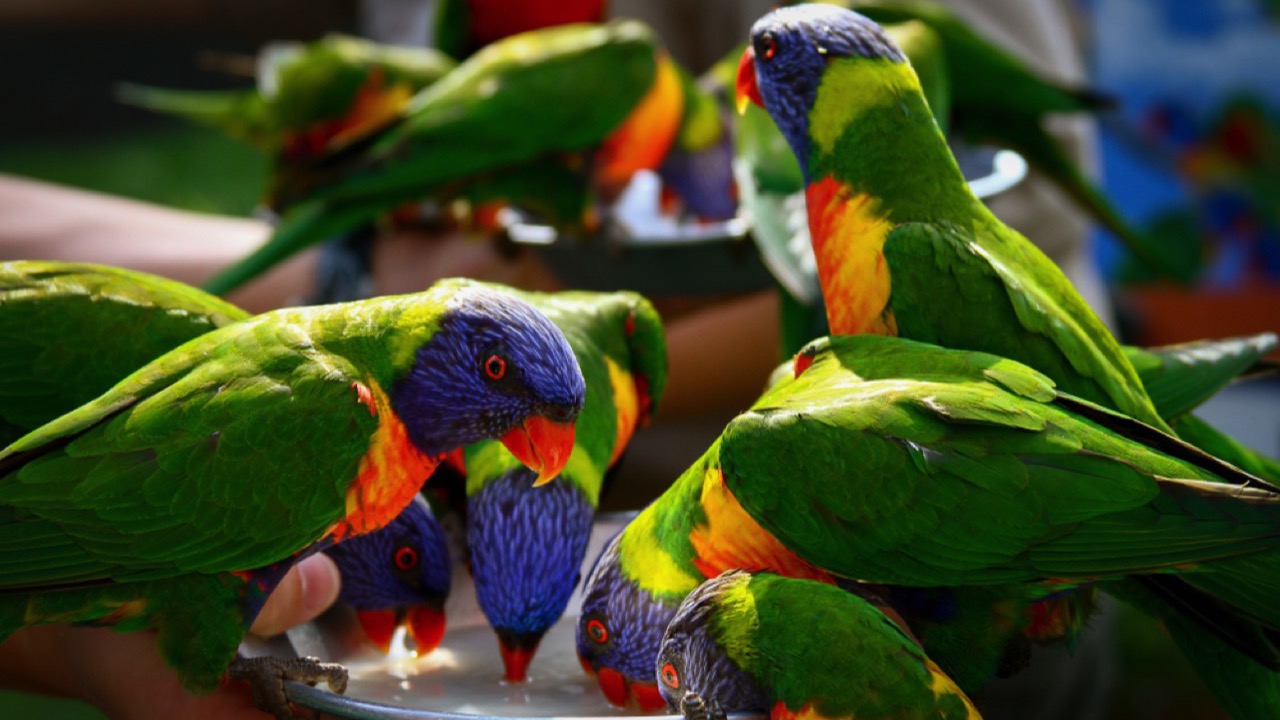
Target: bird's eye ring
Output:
{"points": [[597, 632], [495, 367], [769, 45], [406, 558], [669, 676]]}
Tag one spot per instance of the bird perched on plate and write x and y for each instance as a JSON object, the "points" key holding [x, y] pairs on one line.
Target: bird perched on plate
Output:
{"points": [[526, 546], [55, 318], [148, 507], [793, 648], [863, 404], [542, 120]]}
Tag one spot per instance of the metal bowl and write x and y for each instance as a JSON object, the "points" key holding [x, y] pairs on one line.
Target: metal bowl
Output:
{"points": [[461, 679], [642, 250]]}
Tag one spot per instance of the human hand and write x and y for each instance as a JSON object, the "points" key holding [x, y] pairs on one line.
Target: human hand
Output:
{"points": [[123, 674]]}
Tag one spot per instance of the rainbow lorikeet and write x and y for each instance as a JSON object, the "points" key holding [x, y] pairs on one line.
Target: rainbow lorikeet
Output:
{"points": [[400, 574], [464, 26], [704, 524], [916, 254], [311, 99], [55, 318], [903, 246], [526, 547], [792, 648], [538, 120], [146, 507]]}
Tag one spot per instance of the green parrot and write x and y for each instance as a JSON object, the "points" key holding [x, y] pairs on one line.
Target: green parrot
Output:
{"points": [[543, 96], [524, 573], [902, 246], [771, 186], [703, 525], [311, 99], [177, 498], [55, 318], [461, 27], [52, 316], [797, 650], [999, 101]]}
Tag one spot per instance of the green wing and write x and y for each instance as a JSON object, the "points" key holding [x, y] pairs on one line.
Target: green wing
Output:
{"points": [[58, 320], [973, 288], [915, 474], [1180, 377], [182, 466], [539, 94]]}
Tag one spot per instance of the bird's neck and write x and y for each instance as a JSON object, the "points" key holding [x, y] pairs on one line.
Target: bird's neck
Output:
{"points": [[874, 133], [872, 166], [655, 550]]}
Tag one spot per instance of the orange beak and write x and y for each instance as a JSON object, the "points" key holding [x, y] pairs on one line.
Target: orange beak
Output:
{"points": [[748, 90], [541, 444], [426, 627]]}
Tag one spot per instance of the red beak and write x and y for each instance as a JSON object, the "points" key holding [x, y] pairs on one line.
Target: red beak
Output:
{"points": [[426, 627], [517, 652], [622, 693], [379, 626], [747, 88], [541, 444]]}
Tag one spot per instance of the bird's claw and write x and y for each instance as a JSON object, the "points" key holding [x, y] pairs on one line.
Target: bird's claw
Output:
{"points": [[266, 676], [694, 707]]}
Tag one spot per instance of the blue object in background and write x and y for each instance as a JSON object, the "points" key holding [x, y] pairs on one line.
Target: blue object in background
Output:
{"points": [[1195, 147]]}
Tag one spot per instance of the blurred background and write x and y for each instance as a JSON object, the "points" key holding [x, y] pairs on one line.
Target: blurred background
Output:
{"points": [[1191, 155]]}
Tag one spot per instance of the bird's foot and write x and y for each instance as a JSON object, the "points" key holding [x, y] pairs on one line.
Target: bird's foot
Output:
{"points": [[266, 676], [694, 707]]}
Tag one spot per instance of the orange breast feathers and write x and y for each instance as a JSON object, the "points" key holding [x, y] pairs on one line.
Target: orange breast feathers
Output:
{"points": [[391, 472], [732, 539], [642, 140], [848, 241]]}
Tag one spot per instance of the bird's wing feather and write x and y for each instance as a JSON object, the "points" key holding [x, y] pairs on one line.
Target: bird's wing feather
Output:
{"points": [[179, 468]]}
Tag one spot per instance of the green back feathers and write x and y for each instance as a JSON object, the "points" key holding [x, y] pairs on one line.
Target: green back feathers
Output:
{"points": [[57, 321], [848, 660]]}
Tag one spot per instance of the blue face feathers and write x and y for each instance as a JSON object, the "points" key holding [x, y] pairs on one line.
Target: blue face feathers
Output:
{"points": [[403, 564], [692, 664], [621, 624], [494, 362], [793, 46]]}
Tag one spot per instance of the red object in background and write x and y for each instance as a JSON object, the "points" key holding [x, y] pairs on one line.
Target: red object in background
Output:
{"points": [[492, 20], [1166, 314]]}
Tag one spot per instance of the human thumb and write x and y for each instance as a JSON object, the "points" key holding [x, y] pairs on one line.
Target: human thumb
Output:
{"points": [[307, 590]]}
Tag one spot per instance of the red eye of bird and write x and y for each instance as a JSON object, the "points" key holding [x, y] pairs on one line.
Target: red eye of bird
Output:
{"points": [[495, 367], [670, 677], [597, 632], [406, 558], [770, 46]]}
